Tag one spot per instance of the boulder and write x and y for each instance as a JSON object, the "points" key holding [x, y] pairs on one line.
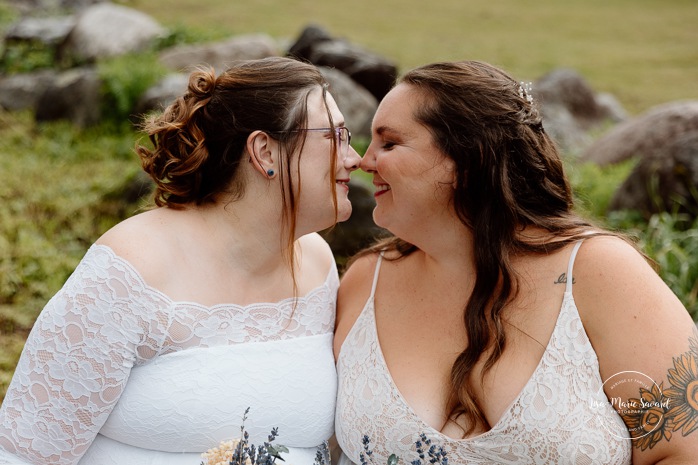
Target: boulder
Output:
{"points": [[219, 55], [665, 180], [48, 31], [107, 30], [571, 109], [647, 135], [22, 91], [30, 35], [158, 97], [375, 73], [357, 104], [310, 36], [29, 7], [74, 95], [78, 4]]}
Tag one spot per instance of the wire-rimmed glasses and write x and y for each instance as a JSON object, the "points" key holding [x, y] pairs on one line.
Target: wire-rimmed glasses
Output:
{"points": [[342, 135]]}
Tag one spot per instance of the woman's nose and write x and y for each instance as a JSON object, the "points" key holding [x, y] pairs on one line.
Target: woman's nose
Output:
{"points": [[353, 160], [368, 162]]}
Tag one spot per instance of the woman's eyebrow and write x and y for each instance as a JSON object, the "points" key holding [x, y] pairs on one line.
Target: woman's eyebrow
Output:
{"points": [[382, 130]]}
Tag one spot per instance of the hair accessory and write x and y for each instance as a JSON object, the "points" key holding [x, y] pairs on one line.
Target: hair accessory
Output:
{"points": [[270, 173], [526, 91]]}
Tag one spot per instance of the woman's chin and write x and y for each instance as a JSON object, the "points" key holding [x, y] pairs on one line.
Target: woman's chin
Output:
{"points": [[379, 220], [344, 213]]}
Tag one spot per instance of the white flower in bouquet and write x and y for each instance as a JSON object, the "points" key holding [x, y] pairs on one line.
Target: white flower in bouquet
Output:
{"points": [[241, 452], [221, 455]]}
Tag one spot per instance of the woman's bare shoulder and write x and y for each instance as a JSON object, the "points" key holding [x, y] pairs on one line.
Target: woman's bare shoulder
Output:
{"points": [[316, 249], [354, 291], [636, 324], [144, 240], [316, 260], [359, 274]]}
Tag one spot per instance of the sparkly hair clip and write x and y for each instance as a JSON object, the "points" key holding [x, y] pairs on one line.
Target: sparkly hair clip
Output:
{"points": [[526, 91]]}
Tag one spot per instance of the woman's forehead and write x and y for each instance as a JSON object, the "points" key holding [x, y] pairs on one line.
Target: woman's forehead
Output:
{"points": [[398, 107], [318, 107]]}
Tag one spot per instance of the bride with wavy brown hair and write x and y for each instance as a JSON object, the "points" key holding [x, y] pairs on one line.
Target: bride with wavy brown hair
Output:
{"points": [[218, 299], [498, 323]]}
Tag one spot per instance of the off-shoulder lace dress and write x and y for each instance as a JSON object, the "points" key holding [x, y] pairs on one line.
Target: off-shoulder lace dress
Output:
{"points": [[561, 416], [114, 372]]}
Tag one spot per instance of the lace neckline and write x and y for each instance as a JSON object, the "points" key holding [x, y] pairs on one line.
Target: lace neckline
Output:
{"points": [[567, 304], [153, 290], [506, 416]]}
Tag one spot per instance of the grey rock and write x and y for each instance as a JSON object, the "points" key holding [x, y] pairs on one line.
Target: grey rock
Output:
{"points": [[33, 7], [611, 108], [107, 30], [22, 91], [162, 94], [663, 181], [646, 135], [563, 128], [49, 31], [571, 109], [311, 35], [219, 55], [74, 95], [357, 104], [374, 72]]}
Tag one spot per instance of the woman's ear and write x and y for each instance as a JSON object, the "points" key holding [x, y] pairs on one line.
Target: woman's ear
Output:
{"points": [[260, 146]]}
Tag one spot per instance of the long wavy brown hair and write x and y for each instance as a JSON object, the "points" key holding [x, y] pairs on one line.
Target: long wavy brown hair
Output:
{"points": [[509, 176], [198, 142]]}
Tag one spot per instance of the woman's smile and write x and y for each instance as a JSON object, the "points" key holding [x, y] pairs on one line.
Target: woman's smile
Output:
{"points": [[381, 189]]}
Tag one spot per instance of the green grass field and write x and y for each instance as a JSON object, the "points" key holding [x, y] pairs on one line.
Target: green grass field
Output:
{"points": [[645, 52]]}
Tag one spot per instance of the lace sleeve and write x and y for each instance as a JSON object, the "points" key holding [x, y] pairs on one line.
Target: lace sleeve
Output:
{"points": [[77, 360]]}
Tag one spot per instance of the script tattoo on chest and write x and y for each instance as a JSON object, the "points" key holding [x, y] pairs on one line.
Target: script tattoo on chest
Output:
{"points": [[562, 279]]}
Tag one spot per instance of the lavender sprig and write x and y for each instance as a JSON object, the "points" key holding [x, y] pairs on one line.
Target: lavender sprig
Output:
{"points": [[428, 453], [244, 452], [322, 456]]}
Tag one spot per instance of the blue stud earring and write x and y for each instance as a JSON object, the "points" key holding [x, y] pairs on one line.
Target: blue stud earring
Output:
{"points": [[270, 173]]}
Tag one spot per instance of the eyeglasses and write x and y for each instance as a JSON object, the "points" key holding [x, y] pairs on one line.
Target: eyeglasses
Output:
{"points": [[342, 135]]}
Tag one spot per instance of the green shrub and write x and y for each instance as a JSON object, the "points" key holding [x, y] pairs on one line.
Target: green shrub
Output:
{"points": [[25, 57], [125, 79], [595, 185], [21, 57]]}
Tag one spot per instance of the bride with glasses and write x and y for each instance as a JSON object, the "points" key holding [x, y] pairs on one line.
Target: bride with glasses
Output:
{"points": [[218, 299]]}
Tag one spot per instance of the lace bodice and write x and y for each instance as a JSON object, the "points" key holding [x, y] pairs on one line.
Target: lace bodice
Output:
{"points": [[116, 371], [561, 416]]}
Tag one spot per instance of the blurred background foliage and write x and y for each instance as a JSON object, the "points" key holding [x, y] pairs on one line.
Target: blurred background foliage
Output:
{"points": [[61, 187], [642, 51]]}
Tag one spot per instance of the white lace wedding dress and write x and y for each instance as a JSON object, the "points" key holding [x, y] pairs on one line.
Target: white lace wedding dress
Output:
{"points": [[561, 416], [114, 372]]}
